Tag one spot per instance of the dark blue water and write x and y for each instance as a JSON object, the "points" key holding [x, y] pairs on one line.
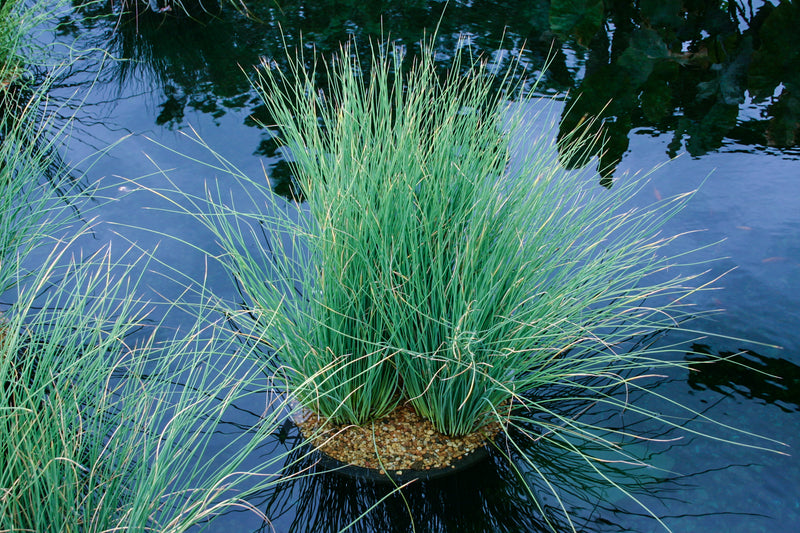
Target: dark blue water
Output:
{"points": [[724, 100]]}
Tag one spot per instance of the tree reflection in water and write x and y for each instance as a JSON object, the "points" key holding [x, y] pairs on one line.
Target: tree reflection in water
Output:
{"points": [[691, 68], [710, 72]]}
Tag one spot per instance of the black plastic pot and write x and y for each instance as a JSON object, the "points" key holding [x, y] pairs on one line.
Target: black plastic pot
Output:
{"points": [[399, 477]]}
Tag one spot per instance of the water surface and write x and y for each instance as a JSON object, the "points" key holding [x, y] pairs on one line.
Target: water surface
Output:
{"points": [[718, 89]]}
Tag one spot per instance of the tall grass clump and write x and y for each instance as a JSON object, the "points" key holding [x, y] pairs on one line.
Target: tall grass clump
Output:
{"points": [[107, 420], [20, 55], [441, 255]]}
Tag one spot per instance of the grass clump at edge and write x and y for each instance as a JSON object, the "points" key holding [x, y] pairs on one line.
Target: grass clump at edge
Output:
{"points": [[107, 421]]}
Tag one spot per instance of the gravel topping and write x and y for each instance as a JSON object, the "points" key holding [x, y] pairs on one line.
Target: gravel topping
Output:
{"points": [[403, 441]]}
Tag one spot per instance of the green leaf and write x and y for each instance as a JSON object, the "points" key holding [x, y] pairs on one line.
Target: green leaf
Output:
{"points": [[778, 53], [784, 125], [577, 18], [663, 13], [639, 59]]}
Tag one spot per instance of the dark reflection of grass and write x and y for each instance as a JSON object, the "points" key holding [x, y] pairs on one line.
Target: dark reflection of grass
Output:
{"points": [[500, 494], [480, 499], [749, 374], [569, 492], [196, 61]]}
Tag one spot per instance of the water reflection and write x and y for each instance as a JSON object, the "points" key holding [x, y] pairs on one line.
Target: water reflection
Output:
{"points": [[197, 62], [487, 497], [191, 66], [504, 492], [686, 68], [748, 374], [707, 71]]}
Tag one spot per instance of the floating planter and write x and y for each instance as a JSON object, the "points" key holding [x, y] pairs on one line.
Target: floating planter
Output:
{"points": [[399, 447]]}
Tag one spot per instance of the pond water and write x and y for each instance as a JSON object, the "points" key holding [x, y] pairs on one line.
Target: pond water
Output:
{"points": [[718, 88]]}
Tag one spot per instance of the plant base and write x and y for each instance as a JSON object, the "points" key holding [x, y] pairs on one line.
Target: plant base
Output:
{"points": [[400, 446]]}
